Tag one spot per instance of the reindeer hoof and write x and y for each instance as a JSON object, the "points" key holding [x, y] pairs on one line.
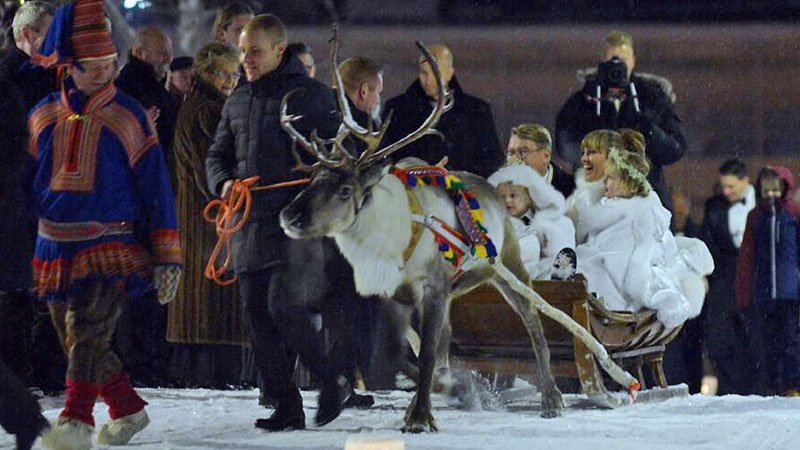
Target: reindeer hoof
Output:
{"points": [[552, 403], [419, 420], [420, 426]]}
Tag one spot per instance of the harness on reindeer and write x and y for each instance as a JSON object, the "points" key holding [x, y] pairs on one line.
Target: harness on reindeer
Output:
{"points": [[462, 250]]}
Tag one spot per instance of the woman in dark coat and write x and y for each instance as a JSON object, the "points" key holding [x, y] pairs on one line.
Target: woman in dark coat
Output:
{"points": [[203, 313]]}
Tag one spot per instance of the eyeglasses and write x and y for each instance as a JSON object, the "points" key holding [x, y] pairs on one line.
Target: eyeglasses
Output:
{"points": [[227, 76], [523, 152]]}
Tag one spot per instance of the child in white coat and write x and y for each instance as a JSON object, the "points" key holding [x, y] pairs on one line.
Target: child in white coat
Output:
{"points": [[537, 211], [630, 258]]}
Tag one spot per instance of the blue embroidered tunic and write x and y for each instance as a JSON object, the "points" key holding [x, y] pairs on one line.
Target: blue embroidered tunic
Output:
{"points": [[105, 206]]}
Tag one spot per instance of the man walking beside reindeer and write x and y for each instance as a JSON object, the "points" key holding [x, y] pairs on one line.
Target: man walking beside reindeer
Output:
{"points": [[280, 279]]}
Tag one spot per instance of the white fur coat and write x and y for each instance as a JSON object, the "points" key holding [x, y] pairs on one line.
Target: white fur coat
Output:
{"points": [[549, 231], [586, 194], [632, 261]]}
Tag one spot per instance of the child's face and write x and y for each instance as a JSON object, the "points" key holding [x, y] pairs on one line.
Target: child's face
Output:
{"points": [[613, 184], [771, 187], [515, 198]]}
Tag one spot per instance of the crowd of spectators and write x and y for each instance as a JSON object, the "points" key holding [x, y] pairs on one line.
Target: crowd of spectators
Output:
{"points": [[192, 125]]}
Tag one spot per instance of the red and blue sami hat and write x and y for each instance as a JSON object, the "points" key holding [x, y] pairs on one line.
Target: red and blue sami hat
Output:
{"points": [[79, 32]]}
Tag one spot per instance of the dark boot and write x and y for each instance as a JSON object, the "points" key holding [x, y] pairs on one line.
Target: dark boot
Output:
{"points": [[332, 397], [288, 415], [26, 437], [359, 401]]}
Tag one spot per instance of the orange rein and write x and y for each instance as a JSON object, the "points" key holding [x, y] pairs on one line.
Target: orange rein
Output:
{"points": [[239, 195]]}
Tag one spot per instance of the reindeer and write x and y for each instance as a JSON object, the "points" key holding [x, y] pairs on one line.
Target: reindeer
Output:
{"points": [[365, 208]]}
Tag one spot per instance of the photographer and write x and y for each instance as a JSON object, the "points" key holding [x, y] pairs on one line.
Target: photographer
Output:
{"points": [[614, 97]]}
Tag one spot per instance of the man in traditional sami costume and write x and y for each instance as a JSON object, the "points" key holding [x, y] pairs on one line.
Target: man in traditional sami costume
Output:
{"points": [[107, 229]]}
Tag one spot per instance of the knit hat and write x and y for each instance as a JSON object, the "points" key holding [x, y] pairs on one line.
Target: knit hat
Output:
{"points": [[181, 63], [79, 32]]}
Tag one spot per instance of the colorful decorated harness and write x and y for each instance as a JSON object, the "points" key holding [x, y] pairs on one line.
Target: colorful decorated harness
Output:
{"points": [[461, 250]]}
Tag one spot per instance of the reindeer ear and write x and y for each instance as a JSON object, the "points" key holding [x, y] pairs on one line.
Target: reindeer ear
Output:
{"points": [[372, 174]]}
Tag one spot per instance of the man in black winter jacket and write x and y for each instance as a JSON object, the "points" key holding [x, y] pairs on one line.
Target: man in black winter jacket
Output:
{"points": [[30, 25], [141, 328], [24, 323], [651, 113], [144, 78], [280, 279], [470, 138]]}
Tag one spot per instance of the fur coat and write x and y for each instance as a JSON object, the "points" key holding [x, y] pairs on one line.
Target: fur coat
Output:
{"points": [[549, 229], [632, 261], [586, 194]]}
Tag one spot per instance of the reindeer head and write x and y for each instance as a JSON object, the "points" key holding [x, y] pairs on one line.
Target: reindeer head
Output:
{"points": [[341, 184]]}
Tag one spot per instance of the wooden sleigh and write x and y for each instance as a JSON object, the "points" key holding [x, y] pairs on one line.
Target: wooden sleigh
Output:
{"points": [[488, 336]]}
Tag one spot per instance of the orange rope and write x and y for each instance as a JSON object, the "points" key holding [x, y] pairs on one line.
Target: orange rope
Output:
{"points": [[239, 195]]}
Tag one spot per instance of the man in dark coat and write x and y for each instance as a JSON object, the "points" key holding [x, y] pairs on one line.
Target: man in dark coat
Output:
{"points": [[144, 78], [722, 231], [18, 227], [23, 86], [470, 139], [651, 113], [140, 333], [280, 279], [29, 27], [362, 79]]}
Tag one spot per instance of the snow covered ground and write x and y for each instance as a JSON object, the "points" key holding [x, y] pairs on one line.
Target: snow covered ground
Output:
{"points": [[207, 419]]}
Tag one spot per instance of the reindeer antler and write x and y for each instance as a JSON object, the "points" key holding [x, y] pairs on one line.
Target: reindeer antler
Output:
{"points": [[315, 147], [444, 101], [338, 156], [368, 136]]}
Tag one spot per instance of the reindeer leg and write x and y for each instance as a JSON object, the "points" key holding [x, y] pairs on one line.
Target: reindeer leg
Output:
{"points": [[443, 379], [552, 403], [435, 303]]}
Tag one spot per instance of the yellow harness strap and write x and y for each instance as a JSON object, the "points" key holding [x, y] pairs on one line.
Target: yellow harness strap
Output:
{"points": [[416, 227]]}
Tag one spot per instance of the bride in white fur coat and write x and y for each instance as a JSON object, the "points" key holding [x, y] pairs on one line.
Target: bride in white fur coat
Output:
{"points": [[541, 226], [589, 188], [630, 258]]}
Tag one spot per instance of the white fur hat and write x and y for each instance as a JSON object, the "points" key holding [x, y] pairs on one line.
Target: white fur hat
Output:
{"points": [[543, 194]]}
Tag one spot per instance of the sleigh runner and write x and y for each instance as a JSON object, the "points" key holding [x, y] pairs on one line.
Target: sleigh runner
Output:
{"points": [[633, 340]]}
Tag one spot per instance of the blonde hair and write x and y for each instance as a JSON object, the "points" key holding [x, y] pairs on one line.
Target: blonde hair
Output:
{"points": [[617, 38], [604, 140], [271, 25], [213, 54], [359, 70], [225, 17], [31, 14], [519, 188], [629, 162], [534, 132]]}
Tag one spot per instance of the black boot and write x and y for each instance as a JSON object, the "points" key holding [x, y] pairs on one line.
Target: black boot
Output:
{"points": [[359, 401], [288, 415], [332, 397], [26, 437]]}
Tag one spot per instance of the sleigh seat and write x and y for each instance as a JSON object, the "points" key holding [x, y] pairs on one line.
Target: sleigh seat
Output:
{"points": [[488, 336]]}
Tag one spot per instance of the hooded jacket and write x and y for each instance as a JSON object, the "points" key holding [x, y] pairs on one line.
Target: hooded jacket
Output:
{"points": [[552, 229], [753, 266]]}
